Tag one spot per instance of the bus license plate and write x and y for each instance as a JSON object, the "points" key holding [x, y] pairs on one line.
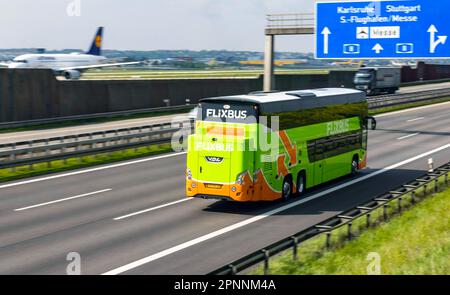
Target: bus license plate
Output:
{"points": [[213, 186]]}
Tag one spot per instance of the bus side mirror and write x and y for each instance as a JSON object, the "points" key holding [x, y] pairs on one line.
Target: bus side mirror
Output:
{"points": [[373, 123]]}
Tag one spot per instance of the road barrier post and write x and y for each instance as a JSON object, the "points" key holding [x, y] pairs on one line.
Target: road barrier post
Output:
{"points": [[266, 262], [328, 241], [295, 248], [349, 231], [368, 220]]}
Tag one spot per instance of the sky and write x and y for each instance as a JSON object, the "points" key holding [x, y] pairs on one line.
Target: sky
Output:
{"points": [[148, 24]]}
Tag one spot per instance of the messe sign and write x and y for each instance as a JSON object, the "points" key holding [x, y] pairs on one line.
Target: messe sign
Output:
{"points": [[383, 29]]}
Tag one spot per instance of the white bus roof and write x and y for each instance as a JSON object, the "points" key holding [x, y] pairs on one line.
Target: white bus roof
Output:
{"points": [[295, 100]]}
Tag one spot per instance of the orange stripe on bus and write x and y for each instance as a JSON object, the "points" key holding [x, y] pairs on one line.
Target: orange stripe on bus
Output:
{"points": [[282, 169], [291, 149]]}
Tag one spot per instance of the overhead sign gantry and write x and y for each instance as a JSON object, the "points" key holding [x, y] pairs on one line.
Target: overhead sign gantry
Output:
{"points": [[282, 24]]}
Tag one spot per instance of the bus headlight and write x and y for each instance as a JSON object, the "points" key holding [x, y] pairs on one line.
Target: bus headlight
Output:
{"points": [[188, 174]]}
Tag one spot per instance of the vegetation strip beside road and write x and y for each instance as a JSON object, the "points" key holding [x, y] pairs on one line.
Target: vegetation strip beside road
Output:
{"points": [[416, 242]]}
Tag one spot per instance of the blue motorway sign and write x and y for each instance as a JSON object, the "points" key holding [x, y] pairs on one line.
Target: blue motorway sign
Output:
{"points": [[383, 29]]}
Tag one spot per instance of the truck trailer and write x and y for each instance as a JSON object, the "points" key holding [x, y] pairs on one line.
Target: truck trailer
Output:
{"points": [[378, 80]]}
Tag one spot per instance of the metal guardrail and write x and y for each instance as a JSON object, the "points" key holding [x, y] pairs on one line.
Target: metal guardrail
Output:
{"points": [[17, 124], [406, 98], [343, 219], [66, 147]]}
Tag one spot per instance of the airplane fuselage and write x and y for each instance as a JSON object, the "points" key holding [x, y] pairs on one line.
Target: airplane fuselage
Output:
{"points": [[55, 61]]}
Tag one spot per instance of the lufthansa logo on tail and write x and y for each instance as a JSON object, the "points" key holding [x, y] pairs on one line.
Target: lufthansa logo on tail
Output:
{"points": [[98, 41]]}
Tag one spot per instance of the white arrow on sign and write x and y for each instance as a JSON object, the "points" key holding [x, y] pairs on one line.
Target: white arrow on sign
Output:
{"points": [[326, 33], [433, 42], [378, 48]]}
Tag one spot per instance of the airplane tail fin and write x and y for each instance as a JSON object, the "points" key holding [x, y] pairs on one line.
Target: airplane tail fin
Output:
{"points": [[96, 47]]}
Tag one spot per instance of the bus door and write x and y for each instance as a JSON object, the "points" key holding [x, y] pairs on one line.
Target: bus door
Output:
{"points": [[319, 163]]}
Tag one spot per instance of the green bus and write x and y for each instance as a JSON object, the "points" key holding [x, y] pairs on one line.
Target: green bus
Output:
{"points": [[269, 146]]}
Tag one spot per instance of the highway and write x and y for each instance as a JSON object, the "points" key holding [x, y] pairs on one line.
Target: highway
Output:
{"points": [[132, 217], [128, 123]]}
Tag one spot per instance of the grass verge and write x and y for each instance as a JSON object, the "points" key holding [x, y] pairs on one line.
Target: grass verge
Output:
{"points": [[416, 242], [86, 161]]}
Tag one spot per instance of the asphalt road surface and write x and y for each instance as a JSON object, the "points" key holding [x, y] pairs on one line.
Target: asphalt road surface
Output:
{"points": [[44, 219], [56, 132]]}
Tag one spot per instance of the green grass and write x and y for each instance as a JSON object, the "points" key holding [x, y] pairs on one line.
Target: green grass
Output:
{"points": [[76, 163], [190, 74], [415, 242]]}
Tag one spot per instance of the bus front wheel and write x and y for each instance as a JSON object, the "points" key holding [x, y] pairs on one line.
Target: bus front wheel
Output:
{"points": [[355, 166], [287, 189], [301, 184]]}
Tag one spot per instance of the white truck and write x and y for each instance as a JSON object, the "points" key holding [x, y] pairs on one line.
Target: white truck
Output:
{"points": [[378, 80]]}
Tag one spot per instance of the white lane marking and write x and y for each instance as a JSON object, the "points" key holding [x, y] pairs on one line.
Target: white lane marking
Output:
{"points": [[416, 119], [412, 109], [151, 209], [408, 136], [90, 170], [243, 223], [63, 200]]}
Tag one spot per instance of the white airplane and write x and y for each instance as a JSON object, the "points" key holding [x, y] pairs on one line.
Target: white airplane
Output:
{"points": [[68, 65]]}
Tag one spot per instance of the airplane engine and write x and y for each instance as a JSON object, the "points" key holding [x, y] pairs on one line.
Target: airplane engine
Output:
{"points": [[72, 74]]}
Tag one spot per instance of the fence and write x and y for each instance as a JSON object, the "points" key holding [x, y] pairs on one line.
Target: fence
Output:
{"points": [[66, 147], [347, 219]]}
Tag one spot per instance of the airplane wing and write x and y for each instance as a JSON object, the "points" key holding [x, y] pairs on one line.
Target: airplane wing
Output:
{"points": [[4, 65], [80, 68]]}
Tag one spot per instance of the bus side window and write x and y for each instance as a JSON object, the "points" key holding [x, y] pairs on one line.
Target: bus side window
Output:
{"points": [[319, 151], [311, 151], [330, 148]]}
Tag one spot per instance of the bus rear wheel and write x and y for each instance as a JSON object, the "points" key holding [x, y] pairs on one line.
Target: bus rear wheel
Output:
{"points": [[286, 189]]}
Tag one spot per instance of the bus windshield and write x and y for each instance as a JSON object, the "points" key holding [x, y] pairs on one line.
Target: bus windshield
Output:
{"points": [[227, 113]]}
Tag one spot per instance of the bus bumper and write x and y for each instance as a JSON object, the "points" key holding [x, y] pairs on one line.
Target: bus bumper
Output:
{"points": [[230, 192]]}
